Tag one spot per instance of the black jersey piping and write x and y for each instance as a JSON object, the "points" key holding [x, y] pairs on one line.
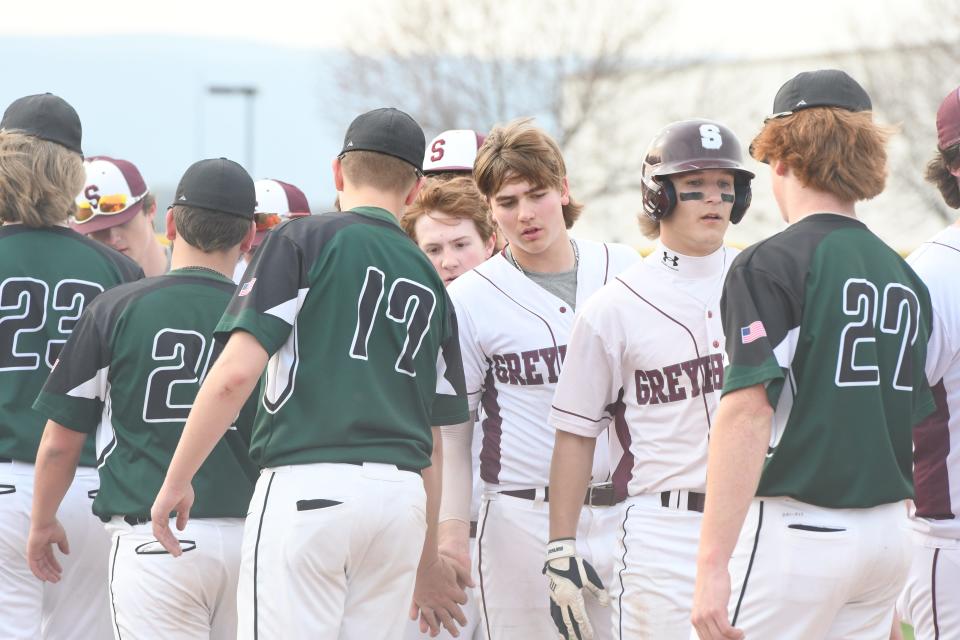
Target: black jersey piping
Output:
{"points": [[113, 600], [256, 557], [753, 555], [933, 594], [483, 597], [623, 561]]}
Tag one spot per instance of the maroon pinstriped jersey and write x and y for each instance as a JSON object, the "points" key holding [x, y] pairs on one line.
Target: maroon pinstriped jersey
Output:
{"points": [[513, 339], [936, 440], [646, 357]]}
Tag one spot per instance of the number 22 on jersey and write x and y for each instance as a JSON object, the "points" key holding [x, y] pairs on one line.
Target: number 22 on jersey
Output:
{"points": [[899, 313]]}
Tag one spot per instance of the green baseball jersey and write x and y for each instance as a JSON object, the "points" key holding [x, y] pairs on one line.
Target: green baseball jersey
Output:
{"points": [[364, 353], [130, 373], [48, 277], [835, 325]]}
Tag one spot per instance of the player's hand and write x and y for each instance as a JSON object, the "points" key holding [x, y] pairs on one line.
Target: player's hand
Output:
{"points": [[171, 499], [710, 598], [458, 554], [43, 562], [569, 576], [438, 595]]}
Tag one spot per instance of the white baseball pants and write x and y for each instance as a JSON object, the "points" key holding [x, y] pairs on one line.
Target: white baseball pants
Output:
{"points": [[512, 537], [655, 569], [193, 597], [330, 552], [75, 607], [800, 571], [931, 599]]}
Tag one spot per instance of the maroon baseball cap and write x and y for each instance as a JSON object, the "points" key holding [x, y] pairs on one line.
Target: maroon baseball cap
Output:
{"points": [[276, 201], [948, 121], [109, 181]]}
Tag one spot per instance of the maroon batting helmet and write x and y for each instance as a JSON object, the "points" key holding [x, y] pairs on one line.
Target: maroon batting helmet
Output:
{"points": [[692, 145]]}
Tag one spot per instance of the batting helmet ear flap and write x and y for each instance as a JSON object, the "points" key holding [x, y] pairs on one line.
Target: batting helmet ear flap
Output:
{"points": [[659, 197], [743, 194]]}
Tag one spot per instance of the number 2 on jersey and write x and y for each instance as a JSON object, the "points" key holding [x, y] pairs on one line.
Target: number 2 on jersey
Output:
{"points": [[408, 303], [899, 315], [188, 359], [27, 299]]}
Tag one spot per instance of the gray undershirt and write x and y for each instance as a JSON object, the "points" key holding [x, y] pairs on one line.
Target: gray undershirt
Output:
{"points": [[562, 284]]}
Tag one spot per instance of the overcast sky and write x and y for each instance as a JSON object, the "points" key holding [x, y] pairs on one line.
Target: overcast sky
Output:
{"points": [[737, 27]]}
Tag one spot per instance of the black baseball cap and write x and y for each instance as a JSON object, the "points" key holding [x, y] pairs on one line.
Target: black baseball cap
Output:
{"points": [[220, 185], [47, 117], [822, 88], [388, 131]]}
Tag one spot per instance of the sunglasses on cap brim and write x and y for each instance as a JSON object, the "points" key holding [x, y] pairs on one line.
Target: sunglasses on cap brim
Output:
{"points": [[267, 221], [107, 205]]}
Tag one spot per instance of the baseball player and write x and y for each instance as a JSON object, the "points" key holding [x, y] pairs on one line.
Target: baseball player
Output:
{"points": [[356, 333], [116, 208], [48, 275], [277, 201], [511, 366], [931, 598], [450, 221], [129, 374], [810, 452], [646, 355]]}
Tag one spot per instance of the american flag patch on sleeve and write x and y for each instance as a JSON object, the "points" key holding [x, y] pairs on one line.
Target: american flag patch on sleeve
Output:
{"points": [[247, 288], [754, 331]]}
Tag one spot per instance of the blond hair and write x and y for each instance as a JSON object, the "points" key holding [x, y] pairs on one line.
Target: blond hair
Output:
{"points": [[455, 197], [833, 150], [378, 171], [520, 151], [39, 180]]}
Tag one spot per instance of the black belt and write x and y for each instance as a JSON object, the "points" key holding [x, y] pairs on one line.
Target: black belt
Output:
{"points": [[694, 501], [419, 472], [599, 495]]}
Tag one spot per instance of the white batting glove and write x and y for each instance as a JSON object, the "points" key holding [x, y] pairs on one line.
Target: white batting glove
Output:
{"points": [[569, 576]]}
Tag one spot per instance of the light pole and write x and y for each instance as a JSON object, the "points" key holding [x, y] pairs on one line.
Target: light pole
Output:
{"points": [[248, 93]]}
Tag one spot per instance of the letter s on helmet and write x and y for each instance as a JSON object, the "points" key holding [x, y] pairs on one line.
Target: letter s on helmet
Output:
{"points": [[692, 145]]}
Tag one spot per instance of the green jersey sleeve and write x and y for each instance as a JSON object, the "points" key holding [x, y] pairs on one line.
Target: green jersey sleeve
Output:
{"points": [[74, 392], [757, 321], [268, 300]]}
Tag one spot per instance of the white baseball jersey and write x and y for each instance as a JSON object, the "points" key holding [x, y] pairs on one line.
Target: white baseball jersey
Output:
{"points": [[513, 339], [647, 353], [936, 440]]}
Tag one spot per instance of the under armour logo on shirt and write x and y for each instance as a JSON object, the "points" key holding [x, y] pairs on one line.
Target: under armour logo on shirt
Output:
{"points": [[670, 261]]}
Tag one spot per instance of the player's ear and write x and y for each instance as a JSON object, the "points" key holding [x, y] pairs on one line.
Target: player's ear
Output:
{"points": [[247, 243], [780, 168], [490, 245], [412, 194], [171, 226], [564, 192], [337, 174], [954, 171]]}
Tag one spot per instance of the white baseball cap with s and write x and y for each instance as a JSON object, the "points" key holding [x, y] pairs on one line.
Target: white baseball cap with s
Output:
{"points": [[452, 150]]}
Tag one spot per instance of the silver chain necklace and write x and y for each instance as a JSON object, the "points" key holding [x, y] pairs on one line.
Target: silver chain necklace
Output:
{"points": [[576, 258]]}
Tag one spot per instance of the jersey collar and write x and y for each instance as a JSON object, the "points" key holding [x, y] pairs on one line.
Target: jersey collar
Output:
{"points": [[376, 212], [687, 266]]}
